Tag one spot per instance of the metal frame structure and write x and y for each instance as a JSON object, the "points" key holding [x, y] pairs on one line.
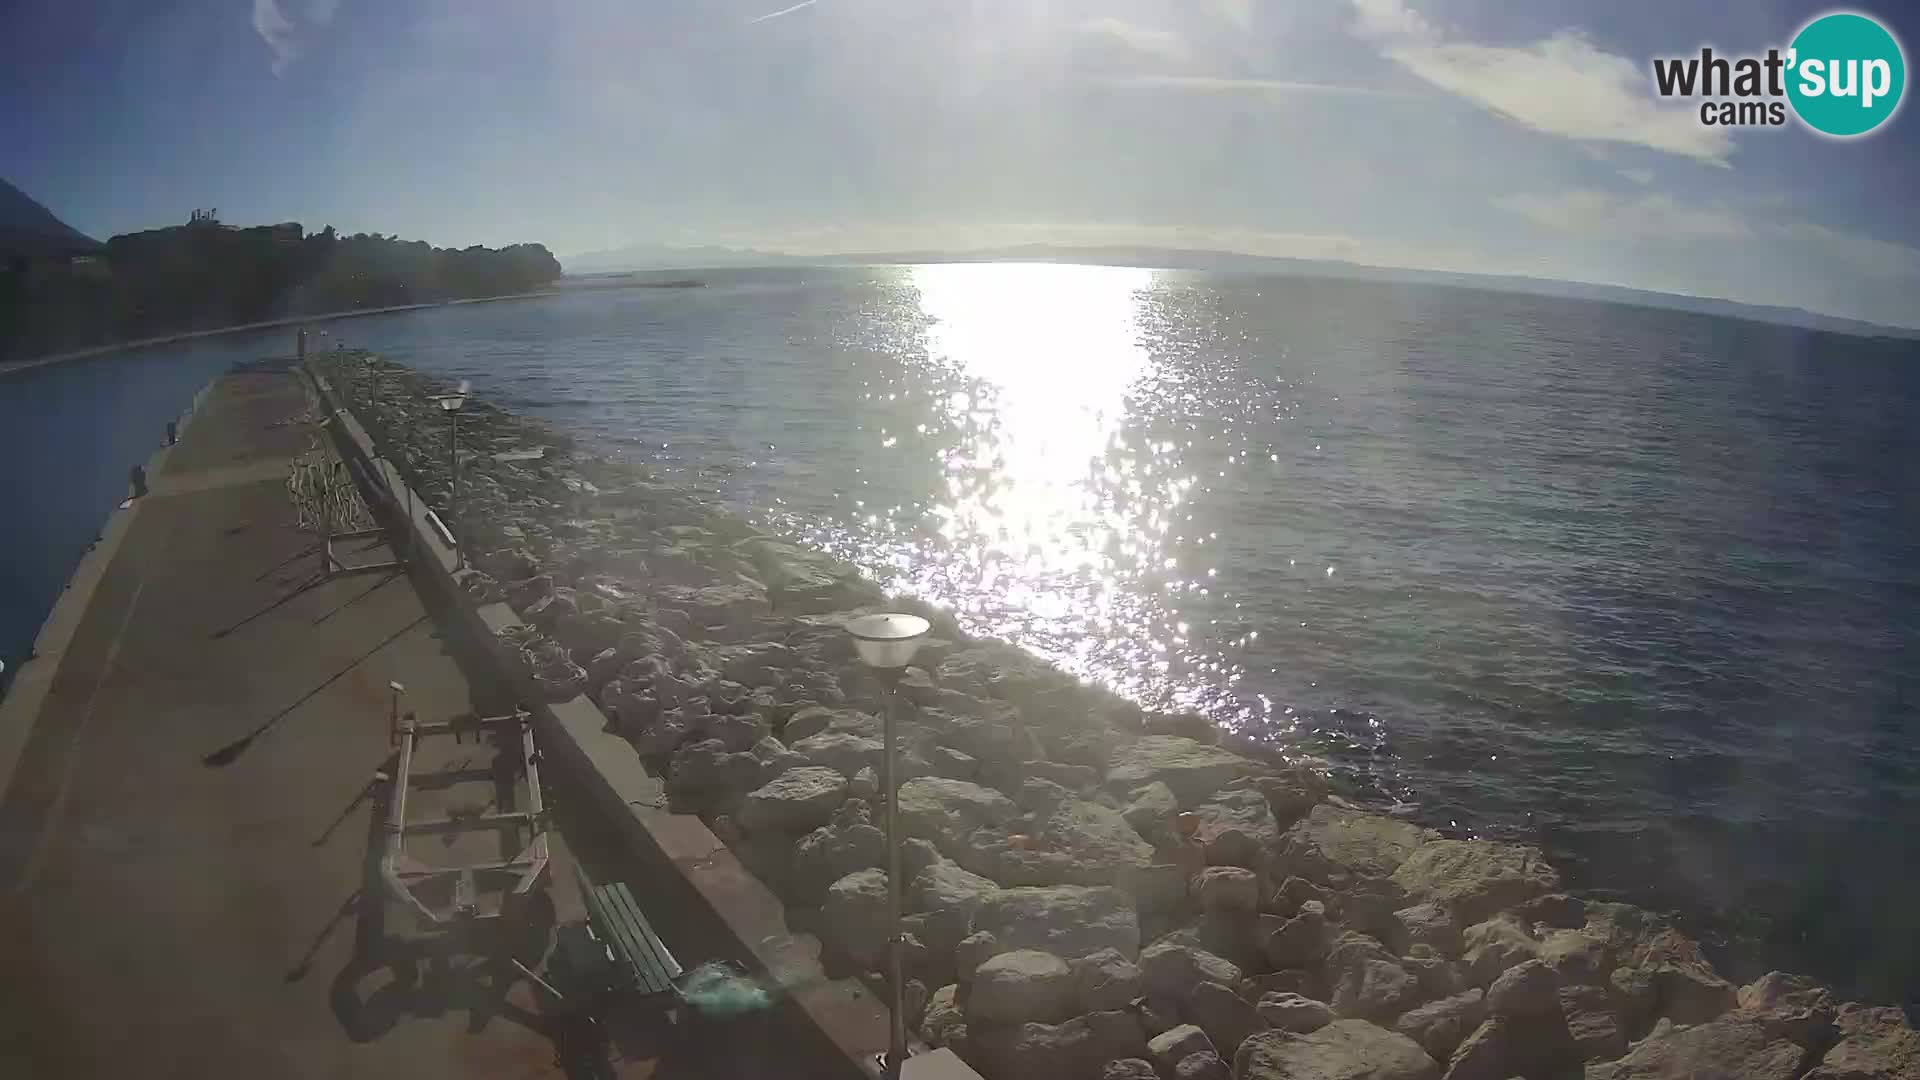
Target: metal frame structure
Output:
{"points": [[401, 874], [327, 502]]}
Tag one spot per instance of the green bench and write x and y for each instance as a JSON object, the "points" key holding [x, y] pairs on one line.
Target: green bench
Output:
{"points": [[643, 964]]}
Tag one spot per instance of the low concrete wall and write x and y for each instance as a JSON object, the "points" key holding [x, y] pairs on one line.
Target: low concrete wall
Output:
{"points": [[702, 894]]}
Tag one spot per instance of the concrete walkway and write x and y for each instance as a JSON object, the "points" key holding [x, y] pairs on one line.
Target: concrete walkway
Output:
{"points": [[186, 830]]}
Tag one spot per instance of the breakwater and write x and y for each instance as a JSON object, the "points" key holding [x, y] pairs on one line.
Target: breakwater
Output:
{"points": [[1096, 888]]}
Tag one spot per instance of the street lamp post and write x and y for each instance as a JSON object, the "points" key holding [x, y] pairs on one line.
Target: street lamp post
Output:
{"points": [[886, 644], [451, 404]]}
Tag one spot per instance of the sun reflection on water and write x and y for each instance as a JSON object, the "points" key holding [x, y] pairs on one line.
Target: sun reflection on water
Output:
{"points": [[1055, 523]]}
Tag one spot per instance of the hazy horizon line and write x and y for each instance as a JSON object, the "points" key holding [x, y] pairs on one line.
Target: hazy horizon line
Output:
{"points": [[899, 256]]}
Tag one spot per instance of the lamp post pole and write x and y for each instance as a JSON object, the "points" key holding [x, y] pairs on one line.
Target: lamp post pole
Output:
{"points": [[450, 404], [886, 644], [896, 945], [453, 488]]}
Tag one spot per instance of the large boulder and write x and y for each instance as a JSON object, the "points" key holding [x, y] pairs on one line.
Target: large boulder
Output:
{"points": [[1438, 977], [1235, 827], [1081, 843], [1190, 769], [808, 721], [947, 811], [1172, 969], [1202, 1066], [1156, 887], [1034, 1049], [1592, 1023], [801, 581], [1475, 878], [1150, 809], [1343, 1050], [1015, 987], [1494, 946], [1075, 1050], [1224, 1015], [854, 918], [1368, 981], [1301, 942], [797, 801], [1487, 1053], [734, 605], [1428, 924], [1333, 845], [1175, 1044], [735, 732], [833, 851], [1875, 1044], [1296, 789], [1441, 1026], [1525, 991], [1069, 921], [1227, 889], [1577, 958], [943, 1023], [946, 895], [1292, 1012], [1107, 980], [1668, 976], [707, 778], [972, 951], [774, 757], [1792, 1006], [843, 753], [1726, 1049]]}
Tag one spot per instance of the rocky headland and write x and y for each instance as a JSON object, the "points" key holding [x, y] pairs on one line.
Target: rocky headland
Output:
{"points": [[1095, 892]]}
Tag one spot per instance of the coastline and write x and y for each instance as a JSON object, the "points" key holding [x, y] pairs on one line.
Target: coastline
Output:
{"points": [[1048, 815], [14, 366]]}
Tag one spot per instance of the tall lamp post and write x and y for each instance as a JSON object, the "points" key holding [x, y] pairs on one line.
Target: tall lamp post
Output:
{"points": [[886, 644], [450, 404]]}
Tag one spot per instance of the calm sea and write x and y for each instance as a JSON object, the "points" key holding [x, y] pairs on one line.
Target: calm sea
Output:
{"points": [[1640, 586]]}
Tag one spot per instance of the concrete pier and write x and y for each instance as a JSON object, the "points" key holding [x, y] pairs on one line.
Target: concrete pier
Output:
{"points": [[189, 800]]}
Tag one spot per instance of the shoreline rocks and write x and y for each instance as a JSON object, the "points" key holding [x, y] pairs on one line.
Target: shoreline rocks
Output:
{"points": [[1093, 891]]}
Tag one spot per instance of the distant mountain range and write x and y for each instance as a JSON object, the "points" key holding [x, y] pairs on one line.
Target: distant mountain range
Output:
{"points": [[27, 228], [667, 257]]}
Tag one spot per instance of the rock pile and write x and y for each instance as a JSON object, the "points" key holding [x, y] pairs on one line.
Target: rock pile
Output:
{"points": [[1094, 893]]}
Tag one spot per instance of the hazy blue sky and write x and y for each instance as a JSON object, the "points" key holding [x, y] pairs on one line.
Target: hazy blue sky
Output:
{"points": [[1459, 134]]}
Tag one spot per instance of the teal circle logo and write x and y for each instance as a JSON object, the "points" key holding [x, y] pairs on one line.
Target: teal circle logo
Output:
{"points": [[1846, 74]]}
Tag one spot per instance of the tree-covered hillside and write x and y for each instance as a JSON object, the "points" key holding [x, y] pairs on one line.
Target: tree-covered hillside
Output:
{"points": [[205, 275]]}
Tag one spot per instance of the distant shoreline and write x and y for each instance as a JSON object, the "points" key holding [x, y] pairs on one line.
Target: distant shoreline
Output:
{"points": [[329, 316]]}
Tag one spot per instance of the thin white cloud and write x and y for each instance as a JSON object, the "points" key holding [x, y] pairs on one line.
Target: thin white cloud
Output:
{"points": [[1210, 84], [1868, 255], [282, 34], [276, 30], [1563, 85], [1605, 213], [782, 11], [1756, 251], [1658, 217], [1152, 41], [1389, 18]]}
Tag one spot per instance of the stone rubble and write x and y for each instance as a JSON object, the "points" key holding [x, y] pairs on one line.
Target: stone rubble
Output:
{"points": [[1094, 892]]}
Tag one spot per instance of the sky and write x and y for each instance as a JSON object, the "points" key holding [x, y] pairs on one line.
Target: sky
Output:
{"points": [[1434, 134]]}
